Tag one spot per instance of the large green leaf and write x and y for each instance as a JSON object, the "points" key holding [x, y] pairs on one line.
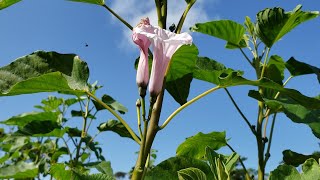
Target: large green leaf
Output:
{"points": [[44, 72], [195, 146], [229, 78], [7, 3], [295, 159], [273, 24], [227, 30], [191, 174], [98, 2], [297, 112], [115, 126], [275, 69], [169, 168], [115, 105], [310, 170], [179, 76], [20, 170], [25, 118], [298, 68]]}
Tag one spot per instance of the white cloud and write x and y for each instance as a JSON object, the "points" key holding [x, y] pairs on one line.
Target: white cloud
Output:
{"points": [[133, 10]]}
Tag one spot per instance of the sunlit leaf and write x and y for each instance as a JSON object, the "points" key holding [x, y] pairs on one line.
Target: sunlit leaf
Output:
{"points": [[296, 159], [169, 168], [105, 168], [98, 2], [310, 170], [179, 76], [115, 126], [25, 118], [20, 170], [44, 72], [7, 3], [195, 146], [298, 68], [273, 24], [227, 30], [191, 174]]}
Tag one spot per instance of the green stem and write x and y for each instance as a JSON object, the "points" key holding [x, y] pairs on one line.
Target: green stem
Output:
{"points": [[240, 112], [134, 136], [183, 17], [161, 6], [267, 155], [260, 143], [186, 105], [265, 63], [117, 16], [241, 162], [247, 58], [139, 118]]}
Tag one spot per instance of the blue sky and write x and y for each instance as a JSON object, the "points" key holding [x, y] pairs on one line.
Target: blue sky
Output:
{"points": [[66, 27]]}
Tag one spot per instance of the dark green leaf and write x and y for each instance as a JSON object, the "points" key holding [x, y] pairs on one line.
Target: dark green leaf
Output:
{"points": [[20, 170], [75, 113], [273, 24], [227, 30], [115, 126], [191, 174], [275, 69], [74, 132], [98, 2], [44, 72], [195, 146], [56, 155], [298, 68], [190, 1], [295, 159], [7, 3], [168, 169], [25, 118], [179, 76], [297, 112], [115, 105], [41, 128]]}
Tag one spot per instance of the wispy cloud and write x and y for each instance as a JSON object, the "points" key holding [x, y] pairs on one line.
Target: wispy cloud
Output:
{"points": [[134, 10]]}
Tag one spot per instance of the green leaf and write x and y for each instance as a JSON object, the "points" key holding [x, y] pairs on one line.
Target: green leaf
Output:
{"points": [[231, 161], [44, 72], [191, 174], [227, 30], [195, 146], [190, 1], [98, 2], [38, 127], [273, 24], [7, 3], [115, 126], [234, 78], [275, 69], [297, 112], [298, 68], [310, 170], [52, 103], [179, 76], [295, 159], [56, 155], [285, 172], [209, 70], [169, 168], [115, 105], [26, 118], [75, 113], [105, 168], [20, 170], [249, 26]]}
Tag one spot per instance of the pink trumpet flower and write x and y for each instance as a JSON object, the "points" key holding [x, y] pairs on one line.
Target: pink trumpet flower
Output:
{"points": [[165, 44], [143, 42]]}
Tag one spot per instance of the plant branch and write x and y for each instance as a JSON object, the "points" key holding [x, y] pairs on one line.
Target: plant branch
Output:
{"points": [[267, 155], [247, 58], [183, 17], [241, 162], [187, 104], [240, 112], [134, 136], [117, 16], [265, 63]]}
